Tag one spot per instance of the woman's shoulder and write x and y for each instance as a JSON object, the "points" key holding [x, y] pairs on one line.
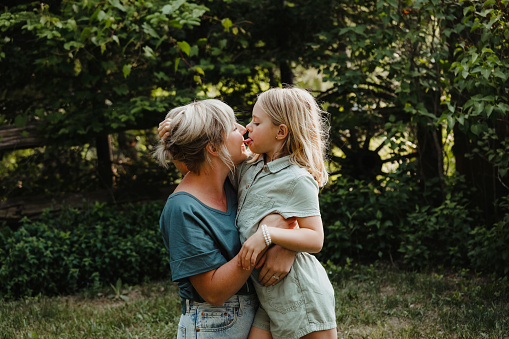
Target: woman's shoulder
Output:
{"points": [[182, 201]]}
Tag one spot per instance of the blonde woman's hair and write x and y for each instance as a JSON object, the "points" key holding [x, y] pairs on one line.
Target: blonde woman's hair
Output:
{"points": [[307, 137], [193, 127]]}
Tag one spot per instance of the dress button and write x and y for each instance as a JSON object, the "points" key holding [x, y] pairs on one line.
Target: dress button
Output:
{"points": [[247, 186]]}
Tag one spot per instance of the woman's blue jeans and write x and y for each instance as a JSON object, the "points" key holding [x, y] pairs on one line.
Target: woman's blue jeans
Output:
{"points": [[231, 320]]}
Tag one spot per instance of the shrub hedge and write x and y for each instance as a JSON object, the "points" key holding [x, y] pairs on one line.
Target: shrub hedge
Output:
{"points": [[396, 219], [97, 244], [417, 225]]}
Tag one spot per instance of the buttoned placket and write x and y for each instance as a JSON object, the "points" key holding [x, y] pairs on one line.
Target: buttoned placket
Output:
{"points": [[260, 173]]}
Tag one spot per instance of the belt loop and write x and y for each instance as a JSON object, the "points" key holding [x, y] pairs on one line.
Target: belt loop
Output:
{"points": [[188, 309], [241, 304]]}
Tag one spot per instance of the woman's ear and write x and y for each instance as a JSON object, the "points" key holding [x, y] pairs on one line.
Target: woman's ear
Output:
{"points": [[211, 148], [282, 132]]}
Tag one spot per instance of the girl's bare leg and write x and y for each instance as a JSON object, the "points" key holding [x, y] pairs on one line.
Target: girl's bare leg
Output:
{"points": [[258, 333], [327, 334]]}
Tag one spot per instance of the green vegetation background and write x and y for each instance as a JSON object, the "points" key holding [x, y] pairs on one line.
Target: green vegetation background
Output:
{"points": [[417, 95]]}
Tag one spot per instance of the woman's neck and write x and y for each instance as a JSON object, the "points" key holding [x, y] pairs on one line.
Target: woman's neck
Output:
{"points": [[207, 186]]}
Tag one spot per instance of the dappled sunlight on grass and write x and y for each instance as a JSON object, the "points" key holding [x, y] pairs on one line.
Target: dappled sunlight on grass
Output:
{"points": [[372, 302]]}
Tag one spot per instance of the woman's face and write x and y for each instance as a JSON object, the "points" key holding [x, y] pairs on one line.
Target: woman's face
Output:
{"points": [[235, 144]]}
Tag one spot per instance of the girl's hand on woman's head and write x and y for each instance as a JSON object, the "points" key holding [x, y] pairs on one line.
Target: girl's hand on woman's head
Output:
{"points": [[164, 129], [252, 249]]}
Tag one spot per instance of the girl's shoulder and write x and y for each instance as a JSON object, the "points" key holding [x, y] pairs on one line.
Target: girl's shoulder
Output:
{"points": [[298, 172]]}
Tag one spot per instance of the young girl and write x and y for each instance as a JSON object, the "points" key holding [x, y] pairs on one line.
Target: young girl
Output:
{"points": [[287, 135]]}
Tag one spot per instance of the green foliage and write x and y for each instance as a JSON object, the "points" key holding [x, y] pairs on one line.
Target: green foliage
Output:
{"points": [[397, 77], [488, 250], [80, 248], [438, 235], [397, 220], [427, 65], [481, 66], [363, 220], [93, 66]]}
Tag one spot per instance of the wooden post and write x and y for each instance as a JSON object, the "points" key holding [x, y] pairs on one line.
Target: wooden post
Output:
{"points": [[104, 159]]}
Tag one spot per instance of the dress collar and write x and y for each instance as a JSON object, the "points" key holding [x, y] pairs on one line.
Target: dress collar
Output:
{"points": [[275, 165]]}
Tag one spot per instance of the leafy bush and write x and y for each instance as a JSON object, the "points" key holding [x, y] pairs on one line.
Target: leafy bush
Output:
{"points": [[396, 219], [95, 245], [363, 220], [438, 234], [488, 250]]}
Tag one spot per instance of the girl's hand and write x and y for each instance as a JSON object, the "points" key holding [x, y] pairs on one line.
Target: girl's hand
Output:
{"points": [[251, 250], [164, 129]]}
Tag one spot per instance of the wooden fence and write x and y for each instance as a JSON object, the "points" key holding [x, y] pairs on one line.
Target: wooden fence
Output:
{"points": [[16, 138]]}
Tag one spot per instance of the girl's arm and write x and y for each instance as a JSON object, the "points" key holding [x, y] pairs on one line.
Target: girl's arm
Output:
{"points": [[307, 238], [219, 285], [277, 261]]}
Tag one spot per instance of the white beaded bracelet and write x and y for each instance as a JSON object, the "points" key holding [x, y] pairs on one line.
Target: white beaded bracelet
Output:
{"points": [[266, 235]]}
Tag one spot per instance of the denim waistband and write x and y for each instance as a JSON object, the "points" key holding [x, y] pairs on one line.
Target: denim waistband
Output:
{"points": [[236, 300]]}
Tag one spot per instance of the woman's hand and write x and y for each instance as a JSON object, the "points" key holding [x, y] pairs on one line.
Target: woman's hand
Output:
{"points": [[164, 129], [275, 265], [277, 261], [252, 249]]}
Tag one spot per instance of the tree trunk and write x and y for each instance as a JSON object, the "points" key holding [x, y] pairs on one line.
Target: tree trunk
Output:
{"points": [[286, 73], [104, 160], [430, 155], [480, 173]]}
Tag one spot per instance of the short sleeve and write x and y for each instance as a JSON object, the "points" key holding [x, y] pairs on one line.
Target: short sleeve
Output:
{"points": [[303, 200], [190, 244]]}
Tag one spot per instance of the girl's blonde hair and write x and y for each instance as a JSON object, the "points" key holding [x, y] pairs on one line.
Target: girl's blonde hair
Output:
{"points": [[193, 127], [306, 142]]}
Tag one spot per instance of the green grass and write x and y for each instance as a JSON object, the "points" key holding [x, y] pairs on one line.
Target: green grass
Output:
{"points": [[372, 302]]}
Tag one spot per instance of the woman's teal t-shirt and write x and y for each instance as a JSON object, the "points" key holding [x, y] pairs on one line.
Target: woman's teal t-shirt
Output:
{"points": [[199, 238]]}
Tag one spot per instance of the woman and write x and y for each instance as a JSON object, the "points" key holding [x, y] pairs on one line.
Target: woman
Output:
{"points": [[198, 222]]}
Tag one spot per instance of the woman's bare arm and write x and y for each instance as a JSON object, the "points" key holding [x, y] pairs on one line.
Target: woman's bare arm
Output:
{"points": [[219, 285]]}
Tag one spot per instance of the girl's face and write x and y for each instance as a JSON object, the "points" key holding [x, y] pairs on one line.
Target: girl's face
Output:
{"points": [[262, 133], [235, 144]]}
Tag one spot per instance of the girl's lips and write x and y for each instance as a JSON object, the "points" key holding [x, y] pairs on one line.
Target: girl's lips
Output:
{"points": [[247, 141]]}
